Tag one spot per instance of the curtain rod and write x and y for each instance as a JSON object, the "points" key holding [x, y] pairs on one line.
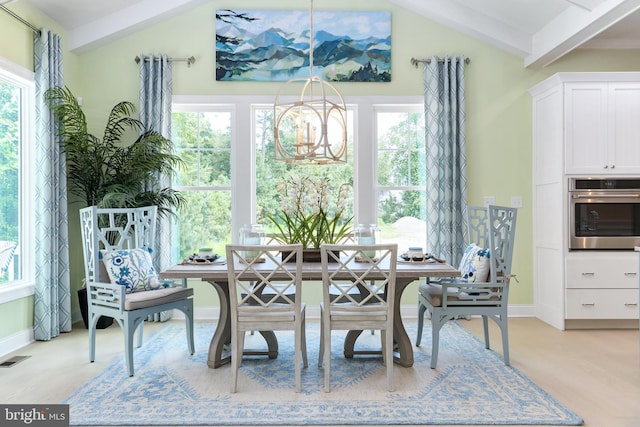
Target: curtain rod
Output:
{"points": [[190, 60], [28, 24], [415, 61]]}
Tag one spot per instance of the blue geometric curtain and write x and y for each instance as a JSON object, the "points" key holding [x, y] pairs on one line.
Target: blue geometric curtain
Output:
{"points": [[52, 311], [155, 113], [444, 104]]}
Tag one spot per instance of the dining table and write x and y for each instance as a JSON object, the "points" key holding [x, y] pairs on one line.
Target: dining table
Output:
{"points": [[216, 274]]}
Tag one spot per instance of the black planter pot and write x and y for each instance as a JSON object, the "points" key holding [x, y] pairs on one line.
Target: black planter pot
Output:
{"points": [[103, 321]]}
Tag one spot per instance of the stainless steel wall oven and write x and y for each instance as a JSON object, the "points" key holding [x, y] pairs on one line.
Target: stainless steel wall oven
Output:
{"points": [[604, 213]]}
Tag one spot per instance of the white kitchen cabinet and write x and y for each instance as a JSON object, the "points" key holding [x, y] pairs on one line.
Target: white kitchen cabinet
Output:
{"points": [[602, 128], [602, 304], [584, 125], [602, 285]]}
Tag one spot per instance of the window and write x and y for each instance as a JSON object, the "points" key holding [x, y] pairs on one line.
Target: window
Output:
{"points": [[16, 185], [202, 138], [270, 171], [230, 175], [401, 175]]}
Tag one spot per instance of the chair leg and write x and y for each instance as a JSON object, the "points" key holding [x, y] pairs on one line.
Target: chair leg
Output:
{"points": [[303, 334], [505, 339], [421, 311], [485, 326], [327, 354], [296, 358], [436, 323], [140, 331], [188, 318], [129, 331], [237, 348], [92, 338], [388, 351], [321, 350]]}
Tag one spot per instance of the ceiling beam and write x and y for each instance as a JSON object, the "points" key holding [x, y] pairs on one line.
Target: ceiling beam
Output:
{"points": [[479, 26], [124, 22], [574, 27]]}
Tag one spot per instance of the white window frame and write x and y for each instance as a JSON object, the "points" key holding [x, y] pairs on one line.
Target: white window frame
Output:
{"points": [[243, 208], [25, 80]]}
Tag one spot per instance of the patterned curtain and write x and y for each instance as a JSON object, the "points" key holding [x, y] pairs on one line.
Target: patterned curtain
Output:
{"points": [[444, 103], [155, 113], [52, 311]]}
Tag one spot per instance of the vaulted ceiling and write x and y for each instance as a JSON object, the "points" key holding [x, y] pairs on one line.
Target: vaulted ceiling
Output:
{"points": [[539, 31]]}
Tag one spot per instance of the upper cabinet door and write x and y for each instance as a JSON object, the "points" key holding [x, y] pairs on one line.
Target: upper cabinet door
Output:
{"points": [[602, 125], [624, 128], [586, 128]]}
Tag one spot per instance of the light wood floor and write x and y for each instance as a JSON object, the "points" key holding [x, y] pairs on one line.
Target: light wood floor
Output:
{"points": [[595, 373]]}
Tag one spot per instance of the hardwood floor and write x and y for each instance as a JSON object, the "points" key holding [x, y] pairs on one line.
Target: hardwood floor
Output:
{"points": [[595, 373]]}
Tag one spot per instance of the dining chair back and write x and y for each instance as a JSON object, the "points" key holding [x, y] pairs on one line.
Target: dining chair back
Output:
{"points": [[472, 295], [121, 280], [478, 225], [371, 270], [265, 285]]}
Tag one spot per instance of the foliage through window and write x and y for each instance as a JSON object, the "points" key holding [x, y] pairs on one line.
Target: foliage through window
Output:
{"points": [[231, 176], [401, 175], [16, 176], [269, 172], [203, 141]]}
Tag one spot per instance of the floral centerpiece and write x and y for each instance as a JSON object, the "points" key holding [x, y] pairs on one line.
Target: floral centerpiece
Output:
{"points": [[306, 214]]}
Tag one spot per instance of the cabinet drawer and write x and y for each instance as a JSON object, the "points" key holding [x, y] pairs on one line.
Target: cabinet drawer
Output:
{"points": [[602, 304], [608, 271]]}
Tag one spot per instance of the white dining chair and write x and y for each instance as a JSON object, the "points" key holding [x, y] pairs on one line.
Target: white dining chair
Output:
{"points": [[371, 269], [266, 299]]}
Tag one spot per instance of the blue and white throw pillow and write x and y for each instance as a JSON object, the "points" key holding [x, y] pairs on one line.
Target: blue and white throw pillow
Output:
{"points": [[132, 268], [474, 266]]}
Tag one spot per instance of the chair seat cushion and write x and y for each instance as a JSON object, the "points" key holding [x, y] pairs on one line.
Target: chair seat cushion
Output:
{"points": [[144, 299], [455, 296]]}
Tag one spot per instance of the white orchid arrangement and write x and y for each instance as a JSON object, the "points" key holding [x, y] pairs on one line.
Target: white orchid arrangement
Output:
{"points": [[306, 215]]}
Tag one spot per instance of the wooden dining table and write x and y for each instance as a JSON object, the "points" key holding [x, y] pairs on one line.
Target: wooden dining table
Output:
{"points": [[216, 274]]}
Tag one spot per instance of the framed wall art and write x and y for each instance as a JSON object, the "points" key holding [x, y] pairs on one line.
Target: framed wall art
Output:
{"points": [[273, 45]]}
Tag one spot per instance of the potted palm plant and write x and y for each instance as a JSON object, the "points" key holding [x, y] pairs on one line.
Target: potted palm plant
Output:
{"points": [[111, 172]]}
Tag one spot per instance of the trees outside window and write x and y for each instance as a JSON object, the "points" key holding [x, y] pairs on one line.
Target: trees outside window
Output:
{"points": [[203, 141], [401, 175], [230, 175], [17, 96]]}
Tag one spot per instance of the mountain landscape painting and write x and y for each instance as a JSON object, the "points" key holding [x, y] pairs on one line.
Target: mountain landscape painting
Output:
{"points": [[273, 45]]}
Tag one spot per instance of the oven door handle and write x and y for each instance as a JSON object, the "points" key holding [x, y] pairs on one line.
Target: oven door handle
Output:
{"points": [[605, 196]]}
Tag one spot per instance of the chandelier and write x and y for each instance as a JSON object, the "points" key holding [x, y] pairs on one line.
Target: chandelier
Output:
{"points": [[311, 129]]}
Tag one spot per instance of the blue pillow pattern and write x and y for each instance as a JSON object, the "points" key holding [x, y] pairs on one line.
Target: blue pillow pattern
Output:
{"points": [[132, 268], [474, 266]]}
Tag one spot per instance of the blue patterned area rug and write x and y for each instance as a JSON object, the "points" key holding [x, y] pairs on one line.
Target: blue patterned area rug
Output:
{"points": [[470, 386]]}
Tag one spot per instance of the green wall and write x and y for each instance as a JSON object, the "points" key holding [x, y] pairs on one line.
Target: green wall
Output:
{"points": [[498, 104]]}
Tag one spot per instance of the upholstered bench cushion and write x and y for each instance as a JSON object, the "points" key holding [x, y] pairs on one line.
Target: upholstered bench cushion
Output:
{"points": [[136, 300]]}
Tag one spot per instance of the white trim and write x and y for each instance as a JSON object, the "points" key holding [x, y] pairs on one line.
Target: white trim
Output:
{"points": [[25, 74], [16, 341], [14, 291]]}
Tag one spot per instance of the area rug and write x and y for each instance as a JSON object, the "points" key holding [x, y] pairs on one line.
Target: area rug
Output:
{"points": [[471, 385]]}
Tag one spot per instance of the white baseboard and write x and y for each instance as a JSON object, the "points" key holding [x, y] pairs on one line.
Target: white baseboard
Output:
{"points": [[16, 341]]}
